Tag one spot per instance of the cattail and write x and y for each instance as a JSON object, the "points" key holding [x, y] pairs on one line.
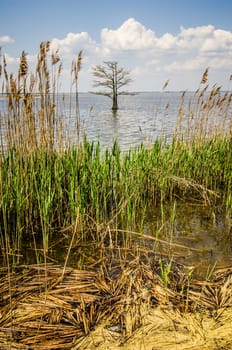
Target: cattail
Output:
{"points": [[23, 67], [204, 78], [231, 77]]}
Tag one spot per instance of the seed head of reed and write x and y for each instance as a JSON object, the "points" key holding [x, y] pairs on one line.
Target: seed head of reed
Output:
{"points": [[55, 57], [0, 61], [204, 78], [165, 84], [76, 66], [23, 67]]}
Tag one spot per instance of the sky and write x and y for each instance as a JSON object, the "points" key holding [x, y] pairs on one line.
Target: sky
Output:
{"points": [[155, 40]]}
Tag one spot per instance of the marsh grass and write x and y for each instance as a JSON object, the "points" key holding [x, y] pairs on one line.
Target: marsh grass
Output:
{"points": [[44, 183], [96, 202]]}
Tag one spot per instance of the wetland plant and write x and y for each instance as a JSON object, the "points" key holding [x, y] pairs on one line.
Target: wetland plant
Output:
{"points": [[45, 183]]}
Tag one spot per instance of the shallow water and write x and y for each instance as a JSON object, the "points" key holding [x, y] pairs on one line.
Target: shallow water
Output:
{"points": [[143, 117], [140, 118], [201, 235], [198, 236]]}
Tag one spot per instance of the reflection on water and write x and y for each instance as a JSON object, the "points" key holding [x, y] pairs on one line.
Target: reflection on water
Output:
{"points": [[204, 232], [140, 118], [195, 235]]}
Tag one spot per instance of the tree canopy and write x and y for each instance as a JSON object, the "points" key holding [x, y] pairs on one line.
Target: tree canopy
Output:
{"points": [[112, 79]]}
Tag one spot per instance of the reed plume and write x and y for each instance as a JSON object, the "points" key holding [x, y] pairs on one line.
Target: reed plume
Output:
{"points": [[165, 84], [23, 67], [76, 67], [0, 62], [204, 78]]}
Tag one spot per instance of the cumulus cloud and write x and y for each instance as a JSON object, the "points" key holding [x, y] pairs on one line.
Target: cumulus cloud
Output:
{"points": [[166, 42], [220, 40], [204, 38], [72, 43], [131, 35], [187, 65], [5, 39], [147, 55]]}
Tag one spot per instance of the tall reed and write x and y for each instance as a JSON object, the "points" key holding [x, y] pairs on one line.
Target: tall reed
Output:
{"points": [[45, 185]]}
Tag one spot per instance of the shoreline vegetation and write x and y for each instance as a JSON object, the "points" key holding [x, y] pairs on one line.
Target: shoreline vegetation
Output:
{"points": [[114, 286]]}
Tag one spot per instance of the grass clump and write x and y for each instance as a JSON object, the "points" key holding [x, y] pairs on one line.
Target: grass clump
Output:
{"points": [[43, 192]]}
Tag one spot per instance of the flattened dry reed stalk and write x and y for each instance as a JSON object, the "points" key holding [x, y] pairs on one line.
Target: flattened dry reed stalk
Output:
{"points": [[124, 303]]}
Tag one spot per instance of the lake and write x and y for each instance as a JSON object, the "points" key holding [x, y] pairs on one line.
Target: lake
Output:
{"points": [[140, 118]]}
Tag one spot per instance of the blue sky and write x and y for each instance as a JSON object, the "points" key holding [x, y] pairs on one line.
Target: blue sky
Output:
{"points": [[155, 40]]}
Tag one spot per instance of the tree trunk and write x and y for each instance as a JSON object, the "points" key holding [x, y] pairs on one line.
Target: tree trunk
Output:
{"points": [[115, 102]]}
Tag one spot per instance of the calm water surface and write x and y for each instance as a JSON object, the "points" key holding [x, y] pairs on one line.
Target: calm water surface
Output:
{"points": [[140, 118], [143, 117]]}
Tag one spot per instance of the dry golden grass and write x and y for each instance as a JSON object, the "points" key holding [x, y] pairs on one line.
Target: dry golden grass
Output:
{"points": [[126, 307]]}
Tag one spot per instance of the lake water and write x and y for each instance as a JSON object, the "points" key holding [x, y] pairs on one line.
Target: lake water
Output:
{"points": [[140, 118], [143, 117]]}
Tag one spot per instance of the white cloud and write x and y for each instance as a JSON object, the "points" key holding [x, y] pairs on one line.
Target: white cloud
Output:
{"points": [[5, 39], [166, 42], [187, 65], [204, 39], [131, 35], [202, 31], [154, 62], [150, 58], [137, 71], [220, 40], [10, 59], [72, 43]]}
